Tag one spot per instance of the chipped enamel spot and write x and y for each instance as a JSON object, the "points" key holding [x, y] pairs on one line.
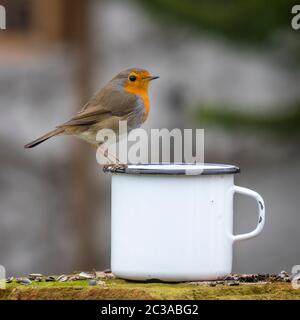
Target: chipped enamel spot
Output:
{"points": [[261, 205]]}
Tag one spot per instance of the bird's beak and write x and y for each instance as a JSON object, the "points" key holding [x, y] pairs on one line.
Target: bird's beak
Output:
{"points": [[152, 78]]}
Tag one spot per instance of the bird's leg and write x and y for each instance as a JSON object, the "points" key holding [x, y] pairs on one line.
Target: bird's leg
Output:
{"points": [[106, 154], [115, 164]]}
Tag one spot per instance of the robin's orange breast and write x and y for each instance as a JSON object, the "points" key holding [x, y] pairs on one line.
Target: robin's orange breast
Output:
{"points": [[141, 92]]}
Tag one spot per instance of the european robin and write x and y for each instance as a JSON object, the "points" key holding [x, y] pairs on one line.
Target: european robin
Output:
{"points": [[124, 98]]}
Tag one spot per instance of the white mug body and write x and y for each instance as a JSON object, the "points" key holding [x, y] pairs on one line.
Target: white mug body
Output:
{"points": [[172, 227]]}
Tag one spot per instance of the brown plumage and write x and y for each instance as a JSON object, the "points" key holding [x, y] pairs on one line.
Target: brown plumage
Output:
{"points": [[125, 97]]}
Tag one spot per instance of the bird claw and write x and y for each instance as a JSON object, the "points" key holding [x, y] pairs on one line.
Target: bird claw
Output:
{"points": [[114, 167]]}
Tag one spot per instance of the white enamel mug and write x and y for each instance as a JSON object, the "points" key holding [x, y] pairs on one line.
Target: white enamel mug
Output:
{"points": [[175, 222]]}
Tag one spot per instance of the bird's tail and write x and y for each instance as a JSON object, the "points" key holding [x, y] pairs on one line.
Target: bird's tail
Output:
{"points": [[44, 138]]}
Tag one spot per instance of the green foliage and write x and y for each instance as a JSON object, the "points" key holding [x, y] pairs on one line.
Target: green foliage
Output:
{"points": [[286, 123], [241, 20]]}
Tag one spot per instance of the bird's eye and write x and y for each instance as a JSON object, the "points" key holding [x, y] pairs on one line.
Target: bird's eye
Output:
{"points": [[132, 78]]}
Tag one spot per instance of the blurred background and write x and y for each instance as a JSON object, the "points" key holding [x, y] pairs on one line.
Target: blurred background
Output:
{"points": [[230, 67]]}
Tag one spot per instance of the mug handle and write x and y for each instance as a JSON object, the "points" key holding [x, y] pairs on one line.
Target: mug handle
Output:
{"points": [[261, 213]]}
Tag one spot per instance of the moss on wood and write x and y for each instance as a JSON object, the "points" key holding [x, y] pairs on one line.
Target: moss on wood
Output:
{"points": [[121, 289]]}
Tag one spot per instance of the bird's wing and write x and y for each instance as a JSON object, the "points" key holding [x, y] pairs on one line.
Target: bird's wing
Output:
{"points": [[105, 104]]}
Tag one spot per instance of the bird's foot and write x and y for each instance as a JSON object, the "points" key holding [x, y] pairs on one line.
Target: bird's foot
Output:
{"points": [[115, 167]]}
